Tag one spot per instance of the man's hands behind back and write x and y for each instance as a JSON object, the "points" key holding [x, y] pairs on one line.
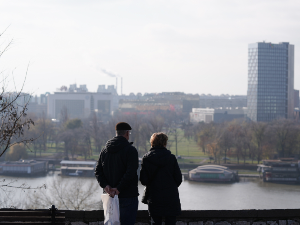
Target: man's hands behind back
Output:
{"points": [[116, 192], [111, 191]]}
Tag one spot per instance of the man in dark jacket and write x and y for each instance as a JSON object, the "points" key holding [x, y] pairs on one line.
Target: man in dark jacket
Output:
{"points": [[116, 172]]}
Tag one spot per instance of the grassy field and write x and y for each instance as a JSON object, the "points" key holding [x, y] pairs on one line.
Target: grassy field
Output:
{"points": [[248, 172], [185, 147]]}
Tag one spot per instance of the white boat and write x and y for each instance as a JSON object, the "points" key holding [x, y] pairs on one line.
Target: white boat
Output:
{"points": [[213, 173]]}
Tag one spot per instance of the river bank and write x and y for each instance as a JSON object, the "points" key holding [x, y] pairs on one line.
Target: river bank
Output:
{"points": [[249, 193]]}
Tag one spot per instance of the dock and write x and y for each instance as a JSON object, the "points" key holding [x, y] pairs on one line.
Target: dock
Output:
{"points": [[248, 175]]}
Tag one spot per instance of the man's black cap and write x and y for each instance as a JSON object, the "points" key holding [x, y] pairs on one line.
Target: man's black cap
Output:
{"points": [[123, 126]]}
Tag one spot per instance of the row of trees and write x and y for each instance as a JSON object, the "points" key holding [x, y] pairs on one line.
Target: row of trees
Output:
{"points": [[240, 139], [247, 140], [87, 136]]}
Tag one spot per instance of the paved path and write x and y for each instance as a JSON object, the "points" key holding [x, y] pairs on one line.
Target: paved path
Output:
{"points": [[194, 157]]}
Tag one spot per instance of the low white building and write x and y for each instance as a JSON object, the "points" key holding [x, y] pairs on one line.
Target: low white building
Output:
{"points": [[202, 115], [80, 103], [219, 115]]}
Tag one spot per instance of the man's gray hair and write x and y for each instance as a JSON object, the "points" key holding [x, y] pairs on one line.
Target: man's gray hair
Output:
{"points": [[121, 132]]}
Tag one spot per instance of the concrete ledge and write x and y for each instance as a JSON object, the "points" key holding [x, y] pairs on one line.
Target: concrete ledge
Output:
{"points": [[188, 216], [194, 217]]}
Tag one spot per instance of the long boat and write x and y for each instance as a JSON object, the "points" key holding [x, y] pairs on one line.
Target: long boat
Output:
{"points": [[24, 168], [77, 168], [282, 170], [213, 173]]}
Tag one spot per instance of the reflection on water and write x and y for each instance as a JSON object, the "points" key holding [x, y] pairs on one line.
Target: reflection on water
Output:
{"points": [[249, 193]]}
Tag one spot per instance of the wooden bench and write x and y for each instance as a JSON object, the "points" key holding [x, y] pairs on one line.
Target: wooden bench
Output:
{"points": [[34, 216]]}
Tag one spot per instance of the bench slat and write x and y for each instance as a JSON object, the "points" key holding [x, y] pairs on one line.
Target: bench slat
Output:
{"points": [[11, 213], [37, 223], [23, 214], [46, 219]]}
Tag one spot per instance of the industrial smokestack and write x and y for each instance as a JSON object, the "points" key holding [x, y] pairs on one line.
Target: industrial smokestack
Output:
{"points": [[117, 85], [116, 76]]}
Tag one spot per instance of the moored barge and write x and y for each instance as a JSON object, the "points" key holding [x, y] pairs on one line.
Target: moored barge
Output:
{"points": [[213, 173], [282, 170], [24, 168], [78, 168]]}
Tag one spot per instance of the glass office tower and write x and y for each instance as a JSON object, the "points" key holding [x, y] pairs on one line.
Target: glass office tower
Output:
{"points": [[270, 81]]}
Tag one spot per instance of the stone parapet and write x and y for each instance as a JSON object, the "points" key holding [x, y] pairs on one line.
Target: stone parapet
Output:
{"points": [[199, 217]]}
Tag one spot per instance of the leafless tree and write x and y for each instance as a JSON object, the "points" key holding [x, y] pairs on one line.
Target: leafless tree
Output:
{"points": [[175, 132], [13, 116], [96, 130], [85, 144], [45, 127], [204, 135], [259, 138], [78, 194], [213, 142], [239, 135], [225, 140], [283, 133], [9, 189]]}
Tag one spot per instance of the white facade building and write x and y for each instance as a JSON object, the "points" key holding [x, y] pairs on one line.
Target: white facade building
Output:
{"points": [[220, 115], [80, 104], [202, 115]]}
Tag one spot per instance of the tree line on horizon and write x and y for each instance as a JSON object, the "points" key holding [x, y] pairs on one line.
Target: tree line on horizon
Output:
{"points": [[240, 139], [247, 140], [84, 137]]}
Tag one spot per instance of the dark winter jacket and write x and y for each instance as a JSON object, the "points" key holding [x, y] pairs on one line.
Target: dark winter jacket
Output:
{"points": [[161, 175], [117, 167]]}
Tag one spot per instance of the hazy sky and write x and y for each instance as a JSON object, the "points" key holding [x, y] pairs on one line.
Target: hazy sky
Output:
{"points": [[192, 46]]}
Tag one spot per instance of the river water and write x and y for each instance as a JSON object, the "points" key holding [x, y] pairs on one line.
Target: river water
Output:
{"points": [[249, 193]]}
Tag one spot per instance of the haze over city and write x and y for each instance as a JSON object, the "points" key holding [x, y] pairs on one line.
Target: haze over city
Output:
{"points": [[156, 46], [131, 112]]}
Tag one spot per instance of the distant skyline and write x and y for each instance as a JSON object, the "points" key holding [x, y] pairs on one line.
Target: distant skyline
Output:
{"points": [[155, 45]]}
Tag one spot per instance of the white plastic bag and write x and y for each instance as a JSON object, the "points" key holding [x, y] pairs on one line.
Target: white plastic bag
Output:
{"points": [[111, 210]]}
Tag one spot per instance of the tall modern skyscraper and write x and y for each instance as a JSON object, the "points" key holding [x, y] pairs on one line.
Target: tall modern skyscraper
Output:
{"points": [[270, 81]]}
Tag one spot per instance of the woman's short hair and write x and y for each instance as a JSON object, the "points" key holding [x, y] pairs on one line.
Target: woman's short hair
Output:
{"points": [[158, 140]]}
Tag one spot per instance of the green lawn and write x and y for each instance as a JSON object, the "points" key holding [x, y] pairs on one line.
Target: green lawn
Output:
{"points": [[248, 172], [185, 147]]}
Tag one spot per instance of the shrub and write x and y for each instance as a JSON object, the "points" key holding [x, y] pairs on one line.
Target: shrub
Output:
{"points": [[16, 152]]}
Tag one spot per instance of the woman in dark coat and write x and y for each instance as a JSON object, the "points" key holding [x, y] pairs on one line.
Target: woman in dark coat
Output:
{"points": [[161, 175]]}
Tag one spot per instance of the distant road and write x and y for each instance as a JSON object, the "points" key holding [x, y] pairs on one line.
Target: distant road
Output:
{"points": [[194, 157], [191, 157]]}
